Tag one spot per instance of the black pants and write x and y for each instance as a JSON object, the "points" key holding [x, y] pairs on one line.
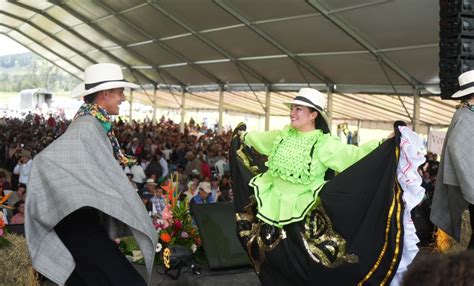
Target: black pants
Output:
{"points": [[98, 259], [471, 216]]}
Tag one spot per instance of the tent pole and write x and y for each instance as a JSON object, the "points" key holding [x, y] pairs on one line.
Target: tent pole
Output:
{"points": [[267, 108], [183, 110], [330, 106], [416, 110], [220, 126], [155, 91], [131, 106]]}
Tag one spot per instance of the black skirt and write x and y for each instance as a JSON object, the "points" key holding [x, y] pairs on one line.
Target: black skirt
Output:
{"points": [[354, 235]]}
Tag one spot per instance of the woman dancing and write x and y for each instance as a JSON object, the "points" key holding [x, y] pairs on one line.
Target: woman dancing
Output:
{"points": [[299, 229]]}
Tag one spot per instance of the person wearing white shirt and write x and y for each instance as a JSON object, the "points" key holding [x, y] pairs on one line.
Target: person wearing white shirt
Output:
{"points": [[220, 166], [164, 167], [23, 167], [139, 176]]}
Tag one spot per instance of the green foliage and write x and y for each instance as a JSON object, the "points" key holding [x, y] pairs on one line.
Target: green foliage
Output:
{"points": [[27, 70]]}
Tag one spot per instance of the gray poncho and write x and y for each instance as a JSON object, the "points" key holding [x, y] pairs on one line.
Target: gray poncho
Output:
{"points": [[455, 185], [78, 170]]}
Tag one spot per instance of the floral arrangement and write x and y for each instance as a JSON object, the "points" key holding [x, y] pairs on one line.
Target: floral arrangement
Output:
{"points": [[176, 224], [3, 241], [175, 227]]}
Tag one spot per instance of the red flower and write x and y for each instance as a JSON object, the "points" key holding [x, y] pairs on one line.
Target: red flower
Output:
{"points": [[198, 240], [177, 225]]}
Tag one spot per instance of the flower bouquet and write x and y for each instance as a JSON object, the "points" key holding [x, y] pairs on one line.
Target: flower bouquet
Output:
{"points": [[176, 224]]}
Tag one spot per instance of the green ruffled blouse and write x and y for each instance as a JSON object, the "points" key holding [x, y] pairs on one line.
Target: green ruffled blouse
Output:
{"points": [[297, 163]]}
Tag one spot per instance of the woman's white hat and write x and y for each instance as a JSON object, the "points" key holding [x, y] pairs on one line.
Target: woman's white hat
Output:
{"points": [[312, 98], [466, 84], [309, 97], [99, 77]]}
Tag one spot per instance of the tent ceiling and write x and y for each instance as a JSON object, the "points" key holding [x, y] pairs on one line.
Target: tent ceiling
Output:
{"points": [[347, 106], [360, 46]]}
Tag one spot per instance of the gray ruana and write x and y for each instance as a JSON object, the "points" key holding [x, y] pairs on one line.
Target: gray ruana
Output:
{"points": [[455, 184], [78, 170]]}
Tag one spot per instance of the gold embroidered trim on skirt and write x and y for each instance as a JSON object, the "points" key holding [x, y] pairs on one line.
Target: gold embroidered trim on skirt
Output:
{"points": [[324, 245], [257, 236]]}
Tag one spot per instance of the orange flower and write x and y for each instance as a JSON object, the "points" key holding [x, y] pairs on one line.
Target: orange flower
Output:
{"points": [[165, 237], [2, 223], [5, 198]]}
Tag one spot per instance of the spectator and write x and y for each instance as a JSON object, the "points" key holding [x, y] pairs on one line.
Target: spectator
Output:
{"points": [[130, 178], [4, 182], [215, 191], [203, 196], [221, 165], [138, 173], [193, 164], [192, 188], [23, 168], [19, 217], [441, 270], [159, 202], [205, 169]]}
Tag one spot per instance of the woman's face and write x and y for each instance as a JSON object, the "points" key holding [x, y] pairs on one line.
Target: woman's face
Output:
{"points": [[302, 118]]}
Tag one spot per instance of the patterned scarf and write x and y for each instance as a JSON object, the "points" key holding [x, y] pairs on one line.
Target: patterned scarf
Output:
{"points": [[101, 114], [465, 104]]}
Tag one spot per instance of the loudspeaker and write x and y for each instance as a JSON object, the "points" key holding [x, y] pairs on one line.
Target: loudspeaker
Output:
{"points": [[217, 228], [456, 45]]}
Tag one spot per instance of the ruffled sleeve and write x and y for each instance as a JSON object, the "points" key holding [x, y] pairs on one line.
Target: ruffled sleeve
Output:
{"points": [[261, 141], [339, 156]]}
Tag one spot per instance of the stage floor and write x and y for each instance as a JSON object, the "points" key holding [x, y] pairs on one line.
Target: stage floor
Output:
{"points": [[228, 277]]}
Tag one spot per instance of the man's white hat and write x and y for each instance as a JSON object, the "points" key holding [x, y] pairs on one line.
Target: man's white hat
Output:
{"points": [[466, 84], [205, 186], [309, 97], [101, 77]]}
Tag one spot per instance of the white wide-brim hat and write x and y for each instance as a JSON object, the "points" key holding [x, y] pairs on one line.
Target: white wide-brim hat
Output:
{"points": [[466, 84], [101, 77], [311, 97]]}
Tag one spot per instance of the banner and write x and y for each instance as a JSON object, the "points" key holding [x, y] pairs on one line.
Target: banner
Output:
{"points": [[435, 141]]}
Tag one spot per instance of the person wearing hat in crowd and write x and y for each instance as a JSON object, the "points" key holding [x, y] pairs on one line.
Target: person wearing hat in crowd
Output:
{"points": [[454, 191], [193, 166], [215, 191], [299, 156], [23, 167], [204, 194], [146, 197], [79, 197], [150, 186]]}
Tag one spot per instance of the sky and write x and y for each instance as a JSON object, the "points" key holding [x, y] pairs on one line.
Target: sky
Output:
{"points": [[9, 47]]}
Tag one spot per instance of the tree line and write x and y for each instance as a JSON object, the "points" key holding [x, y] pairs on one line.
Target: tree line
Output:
{"points": [[27, 70]]}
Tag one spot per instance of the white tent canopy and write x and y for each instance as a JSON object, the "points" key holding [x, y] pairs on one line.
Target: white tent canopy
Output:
{"points": [[357, 49]]}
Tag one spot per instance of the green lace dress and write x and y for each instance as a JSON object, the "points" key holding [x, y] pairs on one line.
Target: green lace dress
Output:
{"points": [[297, 163]]}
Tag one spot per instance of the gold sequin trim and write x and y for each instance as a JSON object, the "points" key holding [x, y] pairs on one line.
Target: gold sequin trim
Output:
{"points": [[323, 244]]}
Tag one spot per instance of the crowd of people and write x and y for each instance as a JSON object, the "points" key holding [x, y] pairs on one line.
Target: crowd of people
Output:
{"points": [[198, 157]]}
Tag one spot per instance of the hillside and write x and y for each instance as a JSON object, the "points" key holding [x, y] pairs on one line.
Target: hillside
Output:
{"points": [[27, 70]]}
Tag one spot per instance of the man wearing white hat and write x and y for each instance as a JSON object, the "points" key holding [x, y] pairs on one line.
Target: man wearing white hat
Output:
{"points": [[79, 197], [454, 191]]}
